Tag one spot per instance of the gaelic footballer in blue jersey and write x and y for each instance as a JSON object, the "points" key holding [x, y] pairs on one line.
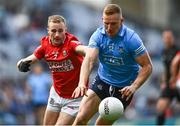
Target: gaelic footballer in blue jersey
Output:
{"points": [[124, 65]]}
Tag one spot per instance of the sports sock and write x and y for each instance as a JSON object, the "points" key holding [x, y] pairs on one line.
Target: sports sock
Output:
{"points": [[160, 119]]}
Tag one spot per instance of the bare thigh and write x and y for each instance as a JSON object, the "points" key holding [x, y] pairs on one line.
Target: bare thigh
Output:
{"points": [[65, 119], [39, 114], [88, 107], [50, 117]]}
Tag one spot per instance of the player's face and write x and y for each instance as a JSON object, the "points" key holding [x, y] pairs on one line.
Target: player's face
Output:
{"points": [[56, 32], [112, 23], [168, 38]]}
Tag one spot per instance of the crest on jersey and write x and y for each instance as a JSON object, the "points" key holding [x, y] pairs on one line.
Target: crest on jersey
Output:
{"points": [[121, 49], [111, 47], [64, 53]]}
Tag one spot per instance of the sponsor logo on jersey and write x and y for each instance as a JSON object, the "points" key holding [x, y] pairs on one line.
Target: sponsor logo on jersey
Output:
{"points": [[63, 66]]}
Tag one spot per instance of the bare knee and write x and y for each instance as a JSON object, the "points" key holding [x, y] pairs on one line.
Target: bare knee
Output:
{"points": [[80, 120], [50, 117], [162, 104]]}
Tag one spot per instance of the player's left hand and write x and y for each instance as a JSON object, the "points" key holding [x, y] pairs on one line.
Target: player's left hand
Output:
{"points": [[127, 92], [23, 66]]}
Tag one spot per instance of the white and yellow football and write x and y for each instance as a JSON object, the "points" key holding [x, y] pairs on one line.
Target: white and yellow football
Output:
{"points": [[111, 108]]}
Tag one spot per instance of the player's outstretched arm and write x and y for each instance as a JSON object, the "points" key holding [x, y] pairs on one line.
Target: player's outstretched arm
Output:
{"points": [[87, 65], [23, 65], [146, 69]]}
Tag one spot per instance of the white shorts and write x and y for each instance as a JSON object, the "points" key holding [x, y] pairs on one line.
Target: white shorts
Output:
{"points": [[60, 104]]}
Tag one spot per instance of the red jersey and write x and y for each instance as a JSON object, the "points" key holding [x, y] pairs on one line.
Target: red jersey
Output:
{"points": [[63, 62], [178, 53]]}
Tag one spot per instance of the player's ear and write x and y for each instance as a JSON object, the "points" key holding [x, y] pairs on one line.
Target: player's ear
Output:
{"points": [[48, 30], [122, 19], [66, 28]]}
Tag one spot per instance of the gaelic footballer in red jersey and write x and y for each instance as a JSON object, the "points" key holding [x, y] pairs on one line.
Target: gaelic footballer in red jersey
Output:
{"points": [[64, 54], [63, 63]]}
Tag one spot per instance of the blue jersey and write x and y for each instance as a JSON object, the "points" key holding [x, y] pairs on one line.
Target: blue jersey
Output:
{"points": [[117, 55], [40, 85]]}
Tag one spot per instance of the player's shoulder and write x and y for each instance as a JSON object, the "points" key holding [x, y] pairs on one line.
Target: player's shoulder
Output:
{"points": [[98, 33], [131, 36], [71, 37], [44, 40], [129, 32], [71, 40], [100, 30]]}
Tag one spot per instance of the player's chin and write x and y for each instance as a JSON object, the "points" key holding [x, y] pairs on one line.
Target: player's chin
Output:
{"points": [[111, 34], [57, 43]]}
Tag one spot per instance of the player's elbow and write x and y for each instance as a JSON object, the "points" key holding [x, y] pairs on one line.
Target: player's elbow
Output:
{"points": [[81, 49], [149, 69], [84, 50]]}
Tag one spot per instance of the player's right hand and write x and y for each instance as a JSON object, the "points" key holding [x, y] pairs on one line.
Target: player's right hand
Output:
{"points": [[127, 92], [23, 66], [79, 91]]}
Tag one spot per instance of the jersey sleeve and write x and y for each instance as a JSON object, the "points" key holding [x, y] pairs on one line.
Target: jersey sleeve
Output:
{"points": [[39, 52], [94, 40], [74, 42], [178, 53], [136, 46]]}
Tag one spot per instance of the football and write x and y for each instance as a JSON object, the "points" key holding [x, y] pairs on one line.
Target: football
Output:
{"points": [[111, 108]]}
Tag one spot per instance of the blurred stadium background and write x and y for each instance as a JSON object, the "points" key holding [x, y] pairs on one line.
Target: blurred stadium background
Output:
{"points": [[23, 23]]}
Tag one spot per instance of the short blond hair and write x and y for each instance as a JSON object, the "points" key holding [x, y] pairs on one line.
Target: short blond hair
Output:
{"points": [[111, 9], [56, 19]]}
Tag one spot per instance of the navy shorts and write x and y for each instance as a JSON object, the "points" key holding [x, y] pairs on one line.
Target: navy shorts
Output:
{"points": [[104, 90]]}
